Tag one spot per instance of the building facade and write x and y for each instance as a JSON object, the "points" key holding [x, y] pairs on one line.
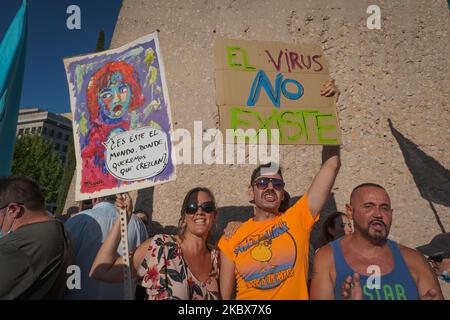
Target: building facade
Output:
{"points": [[57, 128]]}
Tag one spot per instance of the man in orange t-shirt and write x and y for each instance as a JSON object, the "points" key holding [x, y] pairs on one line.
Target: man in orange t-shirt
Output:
{"points": [[268, 254]]}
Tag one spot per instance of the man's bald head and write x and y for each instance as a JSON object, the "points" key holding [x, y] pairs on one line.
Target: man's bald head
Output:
{"points": [[357, 189], [370, 207]]}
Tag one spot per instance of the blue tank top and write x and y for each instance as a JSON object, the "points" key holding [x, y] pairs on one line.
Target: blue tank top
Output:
{"points": [[396, 285]]}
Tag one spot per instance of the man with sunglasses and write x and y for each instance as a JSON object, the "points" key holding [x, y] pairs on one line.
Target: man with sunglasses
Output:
{"points": [[268, 255], [34, 248], [438, 252], [366, 265]]}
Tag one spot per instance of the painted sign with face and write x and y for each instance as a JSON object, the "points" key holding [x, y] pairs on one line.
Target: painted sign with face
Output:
{"points": [[121, 119]]}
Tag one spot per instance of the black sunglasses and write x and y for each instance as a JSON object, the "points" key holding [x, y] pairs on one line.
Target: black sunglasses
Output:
{"points": [[437, 258], [207, 207], [263, 183]]}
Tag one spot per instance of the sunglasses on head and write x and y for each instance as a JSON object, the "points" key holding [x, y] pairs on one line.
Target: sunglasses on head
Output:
{"points": [[263, 183], [207, 207]]}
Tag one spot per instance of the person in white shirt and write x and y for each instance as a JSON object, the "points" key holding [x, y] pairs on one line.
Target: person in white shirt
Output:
{"points": [[88, 230]]}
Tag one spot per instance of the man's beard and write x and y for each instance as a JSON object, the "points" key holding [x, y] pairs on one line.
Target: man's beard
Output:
{"points": [[269, 206], [377, 239]]}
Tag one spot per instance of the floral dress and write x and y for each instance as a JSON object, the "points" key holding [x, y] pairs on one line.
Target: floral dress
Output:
{"points": [[165, 275]]}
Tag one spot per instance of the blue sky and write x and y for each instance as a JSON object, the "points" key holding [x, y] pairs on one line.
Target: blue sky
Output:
{"points": [[49, 41]]}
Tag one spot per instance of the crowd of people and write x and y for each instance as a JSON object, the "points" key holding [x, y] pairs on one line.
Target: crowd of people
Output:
{"points": [[268, 256]]}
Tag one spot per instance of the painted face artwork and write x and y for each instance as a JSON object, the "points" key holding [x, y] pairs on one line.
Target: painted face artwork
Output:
{"points": [[113, 91], [115, 98], [117, 92]]}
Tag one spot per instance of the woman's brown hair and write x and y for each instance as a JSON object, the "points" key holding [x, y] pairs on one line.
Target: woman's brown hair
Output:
{"points": [[330, 222]]}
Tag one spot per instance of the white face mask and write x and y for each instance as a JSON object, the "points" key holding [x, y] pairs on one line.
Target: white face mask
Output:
{"points": [[4, 234], [445, 276]]}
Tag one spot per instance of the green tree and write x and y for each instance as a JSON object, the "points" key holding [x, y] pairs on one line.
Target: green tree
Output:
{"points": [[35, 157], [70, 164], [100, 41], [68, 172]]}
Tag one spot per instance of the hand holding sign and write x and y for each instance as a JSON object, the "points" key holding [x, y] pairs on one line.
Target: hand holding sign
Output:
{"points": [[124, 202], [330, 89], [266, 85]]}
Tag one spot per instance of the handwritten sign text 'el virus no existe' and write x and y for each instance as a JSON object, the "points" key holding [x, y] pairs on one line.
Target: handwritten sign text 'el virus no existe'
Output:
{"points": [[271, 85]]}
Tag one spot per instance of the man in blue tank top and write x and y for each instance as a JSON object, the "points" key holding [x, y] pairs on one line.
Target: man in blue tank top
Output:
{"points": [[366, 265]]}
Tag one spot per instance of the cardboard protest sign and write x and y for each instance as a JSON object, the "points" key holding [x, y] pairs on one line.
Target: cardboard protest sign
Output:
{"points": [[273, 85], [121, 119]]}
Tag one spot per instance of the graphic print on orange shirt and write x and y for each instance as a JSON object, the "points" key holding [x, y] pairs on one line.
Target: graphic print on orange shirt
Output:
{"points": [[267, 259]]}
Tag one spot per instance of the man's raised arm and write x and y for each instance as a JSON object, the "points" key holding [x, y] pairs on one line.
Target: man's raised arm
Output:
{"points": [[324, 180]]}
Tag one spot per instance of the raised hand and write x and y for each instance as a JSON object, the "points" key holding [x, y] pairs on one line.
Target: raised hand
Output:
{"points": [[124, 202], [330, 89]]}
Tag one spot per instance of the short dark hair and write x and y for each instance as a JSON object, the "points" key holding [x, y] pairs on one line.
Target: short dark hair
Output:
{"points": [[257, 172], [330, 222], [21, 189], [110, 198], [366, 184], [86, 204], [139, 211], [72, 210]]}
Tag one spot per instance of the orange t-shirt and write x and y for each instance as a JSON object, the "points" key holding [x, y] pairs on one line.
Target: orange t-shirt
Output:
{"points": [[271, 257]]}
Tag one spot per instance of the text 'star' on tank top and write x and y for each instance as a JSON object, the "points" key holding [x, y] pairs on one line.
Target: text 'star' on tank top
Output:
{"points": [[396, 285]]}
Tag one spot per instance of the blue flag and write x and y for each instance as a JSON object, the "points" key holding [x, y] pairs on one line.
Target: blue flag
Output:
{"points": [[12, 64]]}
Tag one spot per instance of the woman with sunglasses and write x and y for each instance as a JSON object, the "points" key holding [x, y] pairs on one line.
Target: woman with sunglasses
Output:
{"points": [[182, 266]]}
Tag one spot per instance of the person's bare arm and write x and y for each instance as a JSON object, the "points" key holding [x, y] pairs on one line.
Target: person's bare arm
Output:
{"points": [[227, 278], [320, 188], [322, 284], [108, 265], [323, 182], [426, 282]]}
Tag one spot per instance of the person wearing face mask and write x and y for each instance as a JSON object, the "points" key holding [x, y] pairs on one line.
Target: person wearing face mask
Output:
{"points": [[181, 266], [35, 250], [438, 253]]}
